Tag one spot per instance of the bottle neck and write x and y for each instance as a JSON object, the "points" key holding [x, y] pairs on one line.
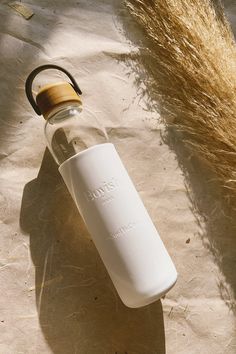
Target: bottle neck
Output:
{"points": [[59, 112]]}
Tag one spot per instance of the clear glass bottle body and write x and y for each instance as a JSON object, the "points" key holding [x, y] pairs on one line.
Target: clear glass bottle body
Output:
{"points": [[69, 130]]}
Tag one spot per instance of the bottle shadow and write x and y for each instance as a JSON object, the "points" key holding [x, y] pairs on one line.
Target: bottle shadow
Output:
{"points": [[78, 308]]}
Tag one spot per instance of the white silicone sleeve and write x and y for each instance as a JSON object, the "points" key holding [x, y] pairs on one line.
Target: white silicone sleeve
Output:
{"points": [[124, 234]]}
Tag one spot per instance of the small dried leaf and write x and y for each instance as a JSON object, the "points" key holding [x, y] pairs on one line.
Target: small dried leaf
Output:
{"points": [[24, 10]]}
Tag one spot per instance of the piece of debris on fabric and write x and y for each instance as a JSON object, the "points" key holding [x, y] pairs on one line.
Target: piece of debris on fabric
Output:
{"points": [[22, 9]]}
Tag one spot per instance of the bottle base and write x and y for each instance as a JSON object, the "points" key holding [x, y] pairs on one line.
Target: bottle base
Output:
{"points": [[152, 298]]}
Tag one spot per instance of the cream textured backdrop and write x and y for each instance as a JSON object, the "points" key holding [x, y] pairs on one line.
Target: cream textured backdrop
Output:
{"points": [[55, 295]]}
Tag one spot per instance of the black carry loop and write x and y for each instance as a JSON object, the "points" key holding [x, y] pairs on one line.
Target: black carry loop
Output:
{"points": [[35, 72]]}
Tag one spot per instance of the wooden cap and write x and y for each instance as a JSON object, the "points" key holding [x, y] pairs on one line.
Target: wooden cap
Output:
{"points": [[53, 95]]}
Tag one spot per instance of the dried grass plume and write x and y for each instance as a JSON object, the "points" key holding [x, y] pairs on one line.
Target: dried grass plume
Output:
{"points": [[194, 56]]}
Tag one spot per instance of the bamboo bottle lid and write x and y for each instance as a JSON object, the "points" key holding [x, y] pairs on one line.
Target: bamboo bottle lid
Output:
{"points": [[53, 95]]}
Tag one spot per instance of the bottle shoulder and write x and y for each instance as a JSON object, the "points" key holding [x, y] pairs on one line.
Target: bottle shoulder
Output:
{"points": [[62, 114]]}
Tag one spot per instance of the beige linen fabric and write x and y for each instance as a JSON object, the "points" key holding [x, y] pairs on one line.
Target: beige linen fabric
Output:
{"points": [[55, 294]]}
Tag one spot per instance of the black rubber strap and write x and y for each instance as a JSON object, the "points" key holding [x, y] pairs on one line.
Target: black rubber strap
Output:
{"points": [[35, 72]]}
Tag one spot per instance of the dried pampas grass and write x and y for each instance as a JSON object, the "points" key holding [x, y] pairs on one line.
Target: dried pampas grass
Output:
{"points": [[194, 56]]}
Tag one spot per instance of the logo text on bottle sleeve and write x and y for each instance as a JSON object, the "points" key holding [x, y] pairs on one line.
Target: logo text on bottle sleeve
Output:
{"points": [[123, 230], [104, 189]]}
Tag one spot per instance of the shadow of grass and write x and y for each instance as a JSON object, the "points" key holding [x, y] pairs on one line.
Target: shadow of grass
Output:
{"points": [[209, 205]]}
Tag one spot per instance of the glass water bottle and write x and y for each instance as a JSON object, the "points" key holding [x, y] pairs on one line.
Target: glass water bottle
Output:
{"points": [[123, 232]]}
